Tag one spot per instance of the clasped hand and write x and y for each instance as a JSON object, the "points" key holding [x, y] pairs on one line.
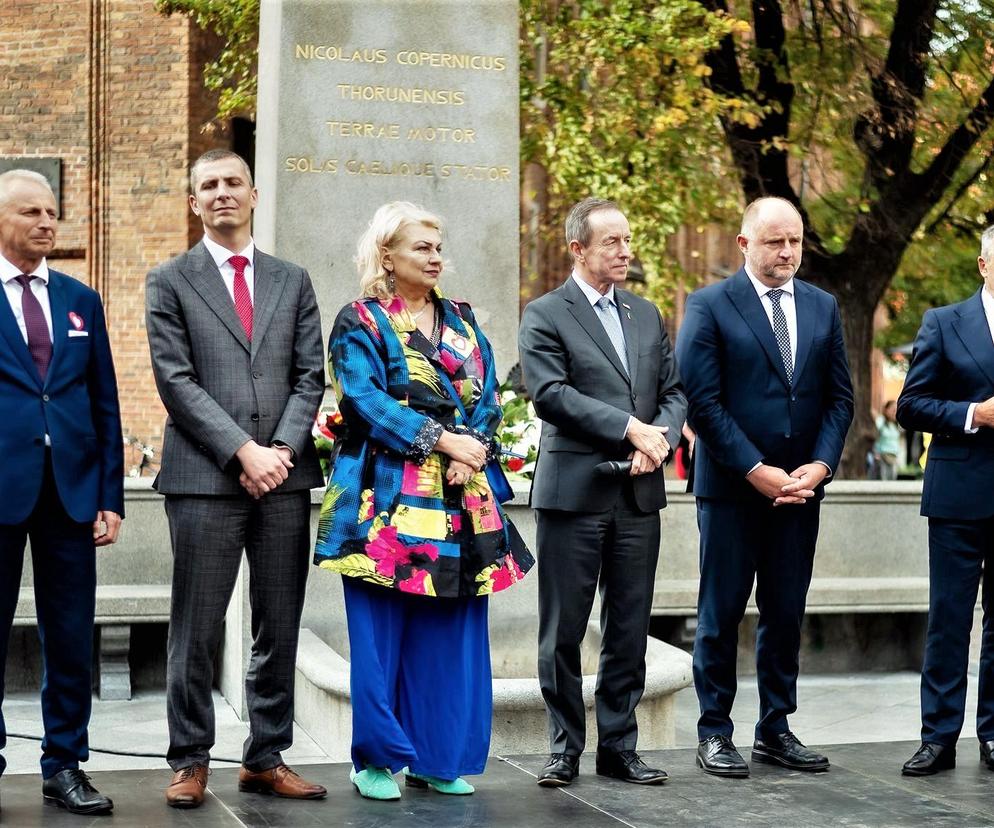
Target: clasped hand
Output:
{"points": [[651, 448], [784, 489], [263, 468]]}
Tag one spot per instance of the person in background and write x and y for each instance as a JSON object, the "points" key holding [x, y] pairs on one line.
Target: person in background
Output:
{"points": [[62, 475], [887, 446], [767, 379], [235, 338], [949, 393], [412, 517], [599, 368]]}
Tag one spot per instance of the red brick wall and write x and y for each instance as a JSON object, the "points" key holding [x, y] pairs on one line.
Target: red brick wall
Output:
{"points": [[114, 90]]}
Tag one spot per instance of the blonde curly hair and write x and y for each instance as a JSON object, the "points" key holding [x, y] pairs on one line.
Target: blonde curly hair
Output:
{"points": [[381, 235]]}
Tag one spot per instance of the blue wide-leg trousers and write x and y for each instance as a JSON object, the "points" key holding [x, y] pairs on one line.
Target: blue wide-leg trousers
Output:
{"points": [[422, 694]]}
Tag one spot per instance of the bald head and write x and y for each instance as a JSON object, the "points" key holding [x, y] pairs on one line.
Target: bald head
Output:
{"points": [[770, 240], [762, 209]]}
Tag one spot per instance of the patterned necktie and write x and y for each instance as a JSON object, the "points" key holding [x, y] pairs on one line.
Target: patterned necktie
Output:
{"points": [[609, 318], [39, 342], [243, 299], [782, 333]]}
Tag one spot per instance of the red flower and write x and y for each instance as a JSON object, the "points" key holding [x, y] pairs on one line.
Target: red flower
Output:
{"points": [[515, 464]]}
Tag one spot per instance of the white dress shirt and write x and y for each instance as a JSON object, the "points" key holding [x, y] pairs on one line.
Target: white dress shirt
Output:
{"points": [[39, 287], [987, 300], [221, 255], [786, 303]]}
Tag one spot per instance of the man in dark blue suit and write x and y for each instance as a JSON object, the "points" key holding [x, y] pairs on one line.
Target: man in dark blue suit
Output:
{"points": [[949, 392], [767, 381], [61, 479]]}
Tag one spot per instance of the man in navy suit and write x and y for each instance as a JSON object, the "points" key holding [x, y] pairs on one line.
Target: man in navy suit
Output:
{"points": [[62, 475], [949, 392], [770, 397]]}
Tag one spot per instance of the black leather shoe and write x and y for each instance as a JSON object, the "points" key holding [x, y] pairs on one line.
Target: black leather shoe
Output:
{"points": [[71, 789], [717, 755], [786, 750], [559, 771], [987, 754], [628, 766], [929, 759]]}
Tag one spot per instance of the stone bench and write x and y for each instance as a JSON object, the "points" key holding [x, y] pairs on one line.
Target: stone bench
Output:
{"points": [[134, 580], [872, 553]]}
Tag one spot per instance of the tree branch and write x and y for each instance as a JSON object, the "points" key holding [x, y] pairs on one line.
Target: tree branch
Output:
{"points": [[886, 133], [932, 181]]}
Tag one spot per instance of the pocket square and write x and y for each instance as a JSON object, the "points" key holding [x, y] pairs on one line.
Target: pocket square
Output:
{"points": [[78, 333]]}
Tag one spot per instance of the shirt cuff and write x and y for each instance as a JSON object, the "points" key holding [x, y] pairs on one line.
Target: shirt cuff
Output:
{"points": [[760, 463], [968, 427], [281, 444], [424, 442], [628, 425], [823, 463]]}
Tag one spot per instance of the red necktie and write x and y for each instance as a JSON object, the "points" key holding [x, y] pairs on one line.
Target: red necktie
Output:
{"points": [[243, 299], [39, 342]]}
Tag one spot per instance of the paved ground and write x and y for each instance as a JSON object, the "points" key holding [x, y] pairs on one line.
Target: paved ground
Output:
{"points": [[868, 724]]}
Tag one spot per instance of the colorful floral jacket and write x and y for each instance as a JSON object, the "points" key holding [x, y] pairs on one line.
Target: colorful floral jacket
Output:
{"points": [[389, 515]]}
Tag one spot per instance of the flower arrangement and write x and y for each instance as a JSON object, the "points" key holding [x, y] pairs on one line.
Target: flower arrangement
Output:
{"points": [[140, 456], [518, 435], [325, 430]]}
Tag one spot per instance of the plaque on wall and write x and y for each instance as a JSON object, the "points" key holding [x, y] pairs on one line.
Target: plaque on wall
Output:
{"points": [[51, 168]]}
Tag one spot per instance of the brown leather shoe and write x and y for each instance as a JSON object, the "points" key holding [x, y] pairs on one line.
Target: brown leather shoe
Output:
{"points": [[188, 787], [281, 780]]}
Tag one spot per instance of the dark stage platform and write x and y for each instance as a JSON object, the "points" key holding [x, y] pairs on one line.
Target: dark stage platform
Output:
{"points": [[863, 788]]}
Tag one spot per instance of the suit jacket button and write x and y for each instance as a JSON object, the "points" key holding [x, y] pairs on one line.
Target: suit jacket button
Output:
{"points": [[44, 397], [254, 418], [256, 374], [786, 434]]}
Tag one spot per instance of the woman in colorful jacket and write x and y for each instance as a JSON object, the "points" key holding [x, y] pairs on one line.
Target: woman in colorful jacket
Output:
{"points": [[412, 515]]}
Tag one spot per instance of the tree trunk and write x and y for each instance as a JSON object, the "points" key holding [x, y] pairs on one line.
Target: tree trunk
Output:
{"points": [[857, 327]]}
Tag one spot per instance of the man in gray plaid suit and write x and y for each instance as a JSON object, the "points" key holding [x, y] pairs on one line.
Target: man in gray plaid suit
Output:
{"points": [[235, 339]]}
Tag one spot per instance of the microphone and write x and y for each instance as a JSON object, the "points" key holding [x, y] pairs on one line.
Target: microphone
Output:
{"points": [[613, 468]]}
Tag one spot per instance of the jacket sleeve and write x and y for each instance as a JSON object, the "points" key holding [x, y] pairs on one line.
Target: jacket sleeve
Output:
{"points": [[359, 376], [698, 353], [106, 412], [545, 366], [922, 405], [671, 410], [191, 408], [838, 400], [306, 373]]}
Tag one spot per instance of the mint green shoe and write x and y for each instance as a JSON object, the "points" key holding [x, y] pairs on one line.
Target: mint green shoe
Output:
{"points": [[375, 783], [452, 787]]}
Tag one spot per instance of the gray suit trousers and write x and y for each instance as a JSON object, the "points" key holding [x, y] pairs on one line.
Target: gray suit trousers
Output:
{"points": [[616, 549], [208, 536]]}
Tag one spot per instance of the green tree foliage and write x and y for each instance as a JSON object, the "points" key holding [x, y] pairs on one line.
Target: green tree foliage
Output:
{"points": [[234, 72], [615, 105], [876, 122]]}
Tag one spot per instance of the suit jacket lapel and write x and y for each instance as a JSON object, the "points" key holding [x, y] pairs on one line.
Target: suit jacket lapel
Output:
{"points": [[971, 327], [805, 312], [60, 313], [204, 277], [269, 283], [749, 305], [587, 317], [630, 328], [18, 347]]}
